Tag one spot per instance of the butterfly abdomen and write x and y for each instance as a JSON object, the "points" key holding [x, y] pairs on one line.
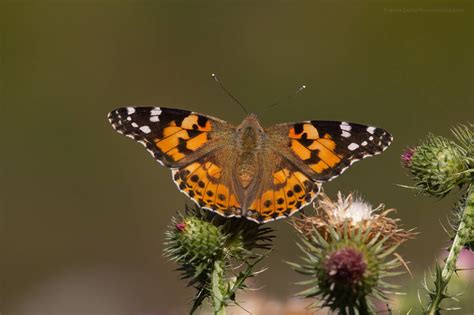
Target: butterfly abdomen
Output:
{"points": [[246, 168], [249, 139]]}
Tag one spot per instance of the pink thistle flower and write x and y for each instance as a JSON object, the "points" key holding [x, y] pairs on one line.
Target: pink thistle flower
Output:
{"points": [[346, 265], [407, 156], [180, 226]]}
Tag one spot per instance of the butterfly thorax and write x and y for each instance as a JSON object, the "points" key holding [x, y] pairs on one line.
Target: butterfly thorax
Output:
{"points": [[249, 139]]}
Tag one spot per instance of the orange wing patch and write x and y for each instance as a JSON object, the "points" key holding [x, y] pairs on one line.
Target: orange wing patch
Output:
{"points": [[300, 150], [202, 182], [318, 152], [291, 191], [180, 139], [196, 142], [303, 130], [192, 123]]}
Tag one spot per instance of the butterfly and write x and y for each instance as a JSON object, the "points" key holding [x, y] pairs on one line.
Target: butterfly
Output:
{"points": [[248, 171]]}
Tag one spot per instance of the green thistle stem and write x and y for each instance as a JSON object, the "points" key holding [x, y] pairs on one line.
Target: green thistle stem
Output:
{"points": [[217, 282], [463, 234]]}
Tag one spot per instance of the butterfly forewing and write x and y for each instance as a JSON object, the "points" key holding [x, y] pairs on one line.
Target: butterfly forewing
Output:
{"points": [[325, 149], [174, 137]]}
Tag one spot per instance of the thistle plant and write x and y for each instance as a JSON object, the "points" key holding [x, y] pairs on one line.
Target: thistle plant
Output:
{"points": [[349, 251], [438, 166], [216, 255]]}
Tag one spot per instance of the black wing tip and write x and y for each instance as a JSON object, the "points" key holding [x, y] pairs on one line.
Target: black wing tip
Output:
{"points": [[117, 114]]}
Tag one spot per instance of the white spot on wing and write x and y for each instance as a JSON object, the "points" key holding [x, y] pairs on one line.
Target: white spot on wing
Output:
{"points": [[252, 219], [345, 134], [145, 129], [364, 143], [134, 125], [154, 118], [371, 138], [130, 110], [345, 126], [371, 130], [155, 112], [353, 146], [353, 161]]}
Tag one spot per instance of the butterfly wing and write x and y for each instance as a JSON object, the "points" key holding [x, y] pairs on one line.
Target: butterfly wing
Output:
{"points": [[195, 146], [323, 150], [208, 182], [283, 189], [298, 157], [174, 137]]}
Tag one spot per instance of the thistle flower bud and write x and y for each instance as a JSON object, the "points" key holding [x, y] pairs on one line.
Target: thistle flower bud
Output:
{"points": [[347, 245], [437, 165], [216, 254], [200, 240], [347, 274]]}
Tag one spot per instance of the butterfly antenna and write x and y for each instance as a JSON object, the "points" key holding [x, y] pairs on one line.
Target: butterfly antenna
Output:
{"points": [[289, 97], [214, 76]]}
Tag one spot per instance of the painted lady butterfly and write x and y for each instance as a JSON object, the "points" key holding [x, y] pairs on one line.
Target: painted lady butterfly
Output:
{"points": [[248, 171]]}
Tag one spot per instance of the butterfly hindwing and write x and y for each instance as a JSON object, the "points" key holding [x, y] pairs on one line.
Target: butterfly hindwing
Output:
{"points": [[208, 182], [325, 149], [282, 191], [173, 136]]}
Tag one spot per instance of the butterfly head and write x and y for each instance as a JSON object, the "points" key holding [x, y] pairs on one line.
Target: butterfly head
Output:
{"points": [[251, 121], [250, 132]]}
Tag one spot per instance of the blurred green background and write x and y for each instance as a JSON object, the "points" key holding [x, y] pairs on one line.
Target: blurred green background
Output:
{"points": [[84, 210]]}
